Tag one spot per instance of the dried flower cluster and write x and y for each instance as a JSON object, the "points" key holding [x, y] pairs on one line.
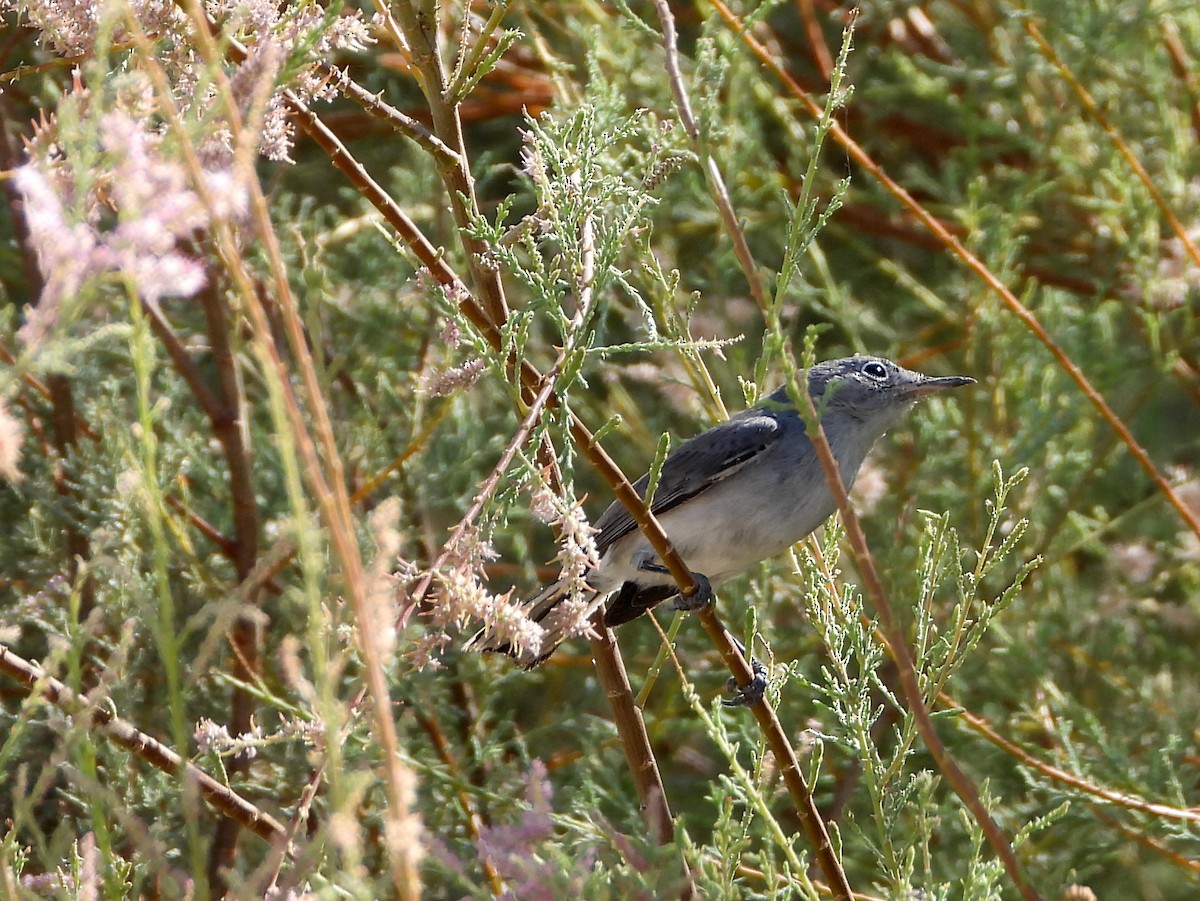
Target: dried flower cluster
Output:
{"points": [[577, 555], [214, 738], [456, 378], [462, 598], [282, 36], [277, 38], [11, 438], [100, 155], [77, 239], [72, 29]]}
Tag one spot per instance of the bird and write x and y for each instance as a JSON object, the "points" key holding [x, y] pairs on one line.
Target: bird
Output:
{"points": [[739, 493]]}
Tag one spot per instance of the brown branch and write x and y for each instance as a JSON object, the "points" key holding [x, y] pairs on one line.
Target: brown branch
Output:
{"points": [[1119, 142], [32, 381], [890, 626], [203, 526], [610, 668], [531, 381], [720, 193], [818, 47], [141, 745], [226, 416], [272, 866], [419, 26], [182, 360], [60, 391], [429, 256], [1182, 64], [632, 729], [229, 427], [1119, 799], [1147, 842]]}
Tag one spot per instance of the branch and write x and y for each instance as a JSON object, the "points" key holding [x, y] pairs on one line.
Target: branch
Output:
{"points": [[1119, 142], [716, 181], [419, 30], [321, 463], [148, 748], [531, 382], [962, 784]]}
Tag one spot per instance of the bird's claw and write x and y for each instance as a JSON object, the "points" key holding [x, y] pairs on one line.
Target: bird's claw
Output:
{"points": [[699, 599], [745, 695], [751, 693]]}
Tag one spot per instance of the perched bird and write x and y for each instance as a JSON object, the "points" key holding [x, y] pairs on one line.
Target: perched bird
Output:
{"points": [[741, 492]]}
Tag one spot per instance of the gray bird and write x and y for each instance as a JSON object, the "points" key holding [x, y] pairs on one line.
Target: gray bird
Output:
{"points": [[741, 492]]}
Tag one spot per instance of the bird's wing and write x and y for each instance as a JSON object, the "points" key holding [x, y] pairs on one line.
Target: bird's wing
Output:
{"points": [[695, 465]]}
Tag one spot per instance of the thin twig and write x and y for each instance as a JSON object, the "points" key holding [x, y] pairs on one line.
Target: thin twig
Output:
{"points": [[1114, 135], [419, 27], [486, 489], [403, 123], [683, 105], [141, 745], [962, 784]]}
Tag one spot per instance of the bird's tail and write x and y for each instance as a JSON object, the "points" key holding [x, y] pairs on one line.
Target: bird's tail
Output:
{"points": [[561, 614]]}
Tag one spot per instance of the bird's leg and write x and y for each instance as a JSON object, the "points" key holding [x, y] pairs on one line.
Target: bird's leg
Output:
{"points": [[746, 695], [742, 696], [699, 599]]}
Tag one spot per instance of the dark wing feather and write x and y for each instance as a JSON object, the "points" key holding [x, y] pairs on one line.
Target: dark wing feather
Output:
{"points": [[695, 465]]}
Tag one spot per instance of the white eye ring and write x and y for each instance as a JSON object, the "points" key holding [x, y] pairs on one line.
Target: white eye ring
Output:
{"points": [[875, 370]]}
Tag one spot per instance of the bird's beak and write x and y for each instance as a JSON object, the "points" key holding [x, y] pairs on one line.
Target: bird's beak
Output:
{"points": [[933, 386]]}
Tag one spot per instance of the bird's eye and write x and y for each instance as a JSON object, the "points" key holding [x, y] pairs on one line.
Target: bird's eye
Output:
{"points": [[875, 370]]}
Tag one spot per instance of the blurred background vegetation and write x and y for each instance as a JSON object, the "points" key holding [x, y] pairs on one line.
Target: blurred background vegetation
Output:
{"points": [[189, 566]]}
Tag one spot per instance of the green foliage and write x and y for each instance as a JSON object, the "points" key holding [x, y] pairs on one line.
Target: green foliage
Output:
{"points": [[1047, 588]]}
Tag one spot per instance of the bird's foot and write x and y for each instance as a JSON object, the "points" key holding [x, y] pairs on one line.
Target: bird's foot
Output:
{"points": [[746, 695], [699, 599], [751, 693]]}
